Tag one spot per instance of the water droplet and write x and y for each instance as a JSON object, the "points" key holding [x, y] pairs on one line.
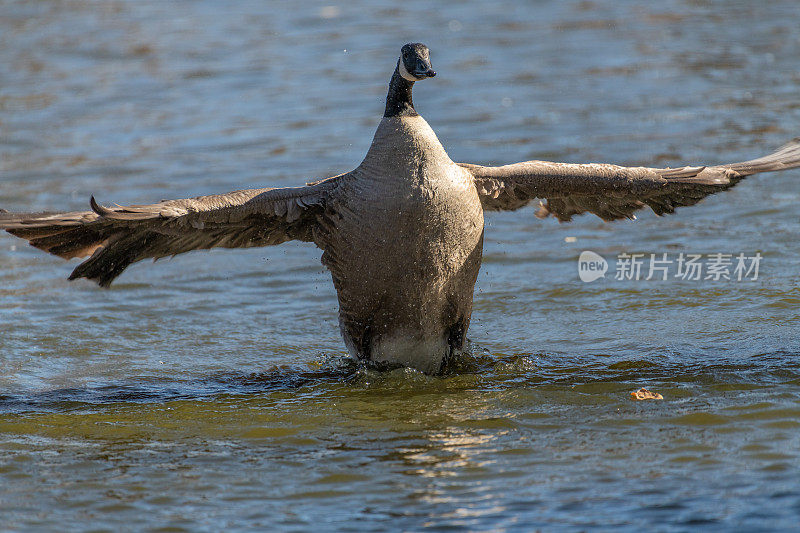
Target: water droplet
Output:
{"points": [[330, 12]]}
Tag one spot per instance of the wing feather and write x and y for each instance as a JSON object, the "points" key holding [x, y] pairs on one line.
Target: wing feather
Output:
{"points": [[114, 237], [613, 192]]}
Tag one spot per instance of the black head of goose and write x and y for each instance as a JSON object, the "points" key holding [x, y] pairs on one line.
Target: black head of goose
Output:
{"points": [[402, 234], [414, 64]]}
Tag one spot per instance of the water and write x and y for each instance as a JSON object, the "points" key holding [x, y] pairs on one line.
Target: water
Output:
{"points": [[210, 392]]}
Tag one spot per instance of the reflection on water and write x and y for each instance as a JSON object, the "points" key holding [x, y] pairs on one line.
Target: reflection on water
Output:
{"points": [[210, 392], [520, 439]]}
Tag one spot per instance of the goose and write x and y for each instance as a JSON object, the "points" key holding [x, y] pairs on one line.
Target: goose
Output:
{"points": [[401, 234]]}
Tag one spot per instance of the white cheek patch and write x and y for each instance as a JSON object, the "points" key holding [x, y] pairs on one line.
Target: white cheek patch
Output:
{"points": [[405, 73]]}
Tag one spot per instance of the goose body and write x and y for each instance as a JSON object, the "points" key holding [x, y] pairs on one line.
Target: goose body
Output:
{"points": [[404, 248], [402, 234]]}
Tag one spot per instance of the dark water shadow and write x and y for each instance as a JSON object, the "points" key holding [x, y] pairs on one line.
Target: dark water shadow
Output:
{"points": [[473, 369], [147, 390], [330, 371]]}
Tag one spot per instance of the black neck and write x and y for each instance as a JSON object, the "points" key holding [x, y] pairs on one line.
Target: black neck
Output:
{"points": [[398, 101]]}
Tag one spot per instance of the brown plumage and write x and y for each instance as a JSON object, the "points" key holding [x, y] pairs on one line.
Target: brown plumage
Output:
{"points": [[402, 234], [113, 238], [613, 192]]}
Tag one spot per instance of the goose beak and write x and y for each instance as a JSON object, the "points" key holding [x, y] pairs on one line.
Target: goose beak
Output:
{"points": [[422, 74]]}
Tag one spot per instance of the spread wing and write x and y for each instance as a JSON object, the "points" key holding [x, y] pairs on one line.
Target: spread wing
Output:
{"points": [[115, 237], [613, 192]]}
